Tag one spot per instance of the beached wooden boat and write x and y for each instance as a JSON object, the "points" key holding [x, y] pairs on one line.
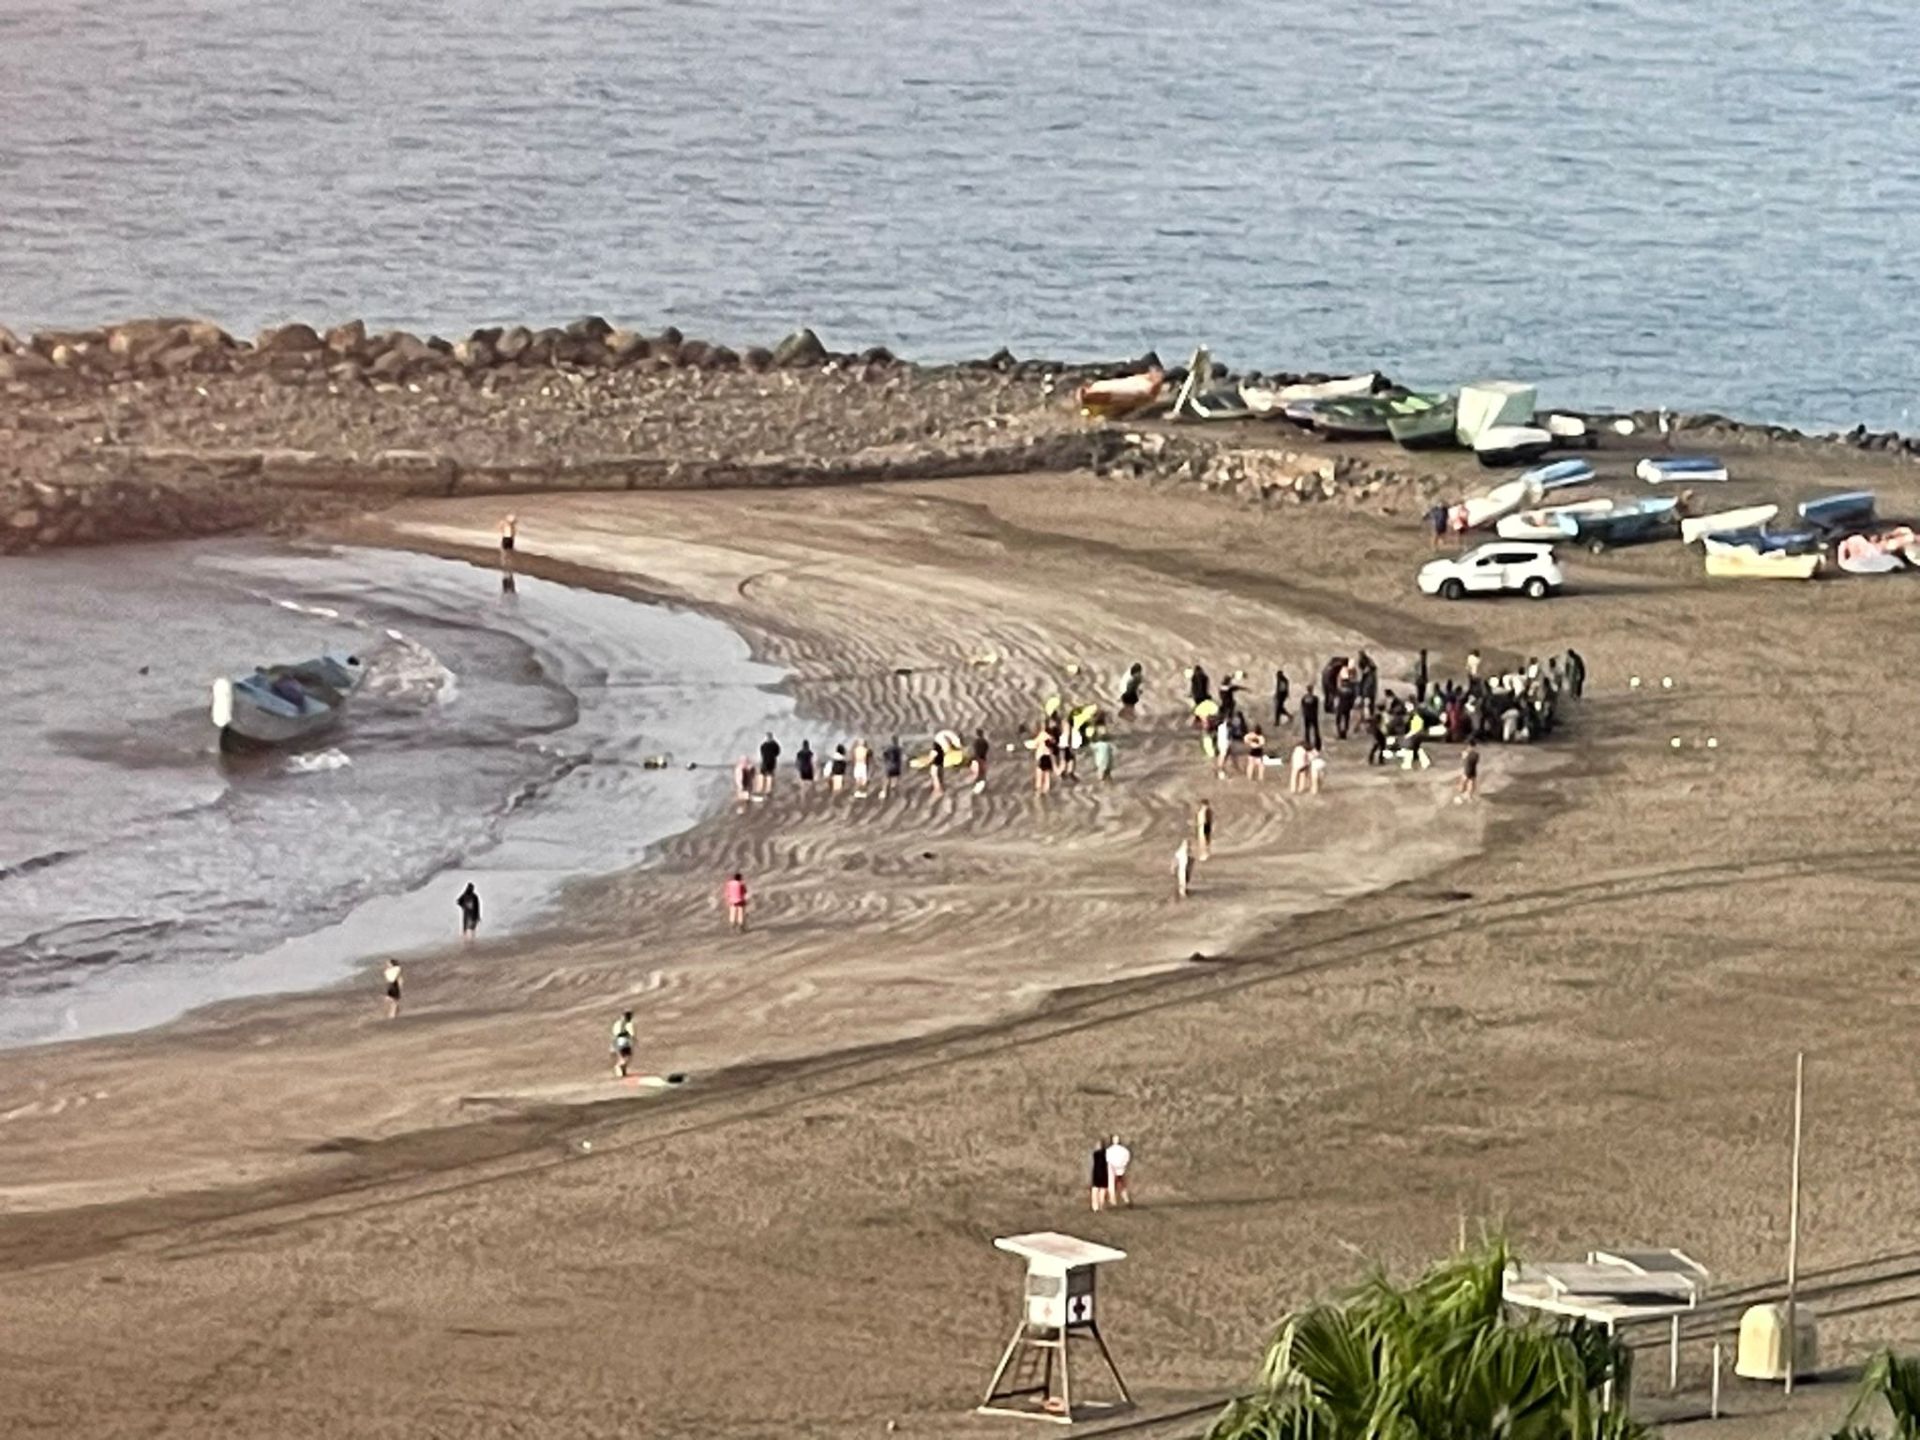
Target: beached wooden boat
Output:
{"points": [[1747, 517], [1344, 388], [1741, 564], [1351, 419], [1545, 524], [1477, 511], [1122, 394], [1561, 474], [1511, 445], [280, 703], [1623, 522], [1680, 469], [1422, 422], [1855, 507]]}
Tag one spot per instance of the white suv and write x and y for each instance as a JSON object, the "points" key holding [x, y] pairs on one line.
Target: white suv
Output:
{"points": [[1506, 565]]}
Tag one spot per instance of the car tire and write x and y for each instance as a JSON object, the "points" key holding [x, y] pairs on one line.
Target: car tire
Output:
{"points": [[1536, 588], [1453, 590]]}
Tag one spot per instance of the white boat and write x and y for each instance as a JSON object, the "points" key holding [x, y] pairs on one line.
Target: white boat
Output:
{"points": [[278, 703], [1491, 403], [1511, 445], [1561, 474], [1747, 517], [1543, 524], [1502, 500], [1680, 469], [1348, 387]]}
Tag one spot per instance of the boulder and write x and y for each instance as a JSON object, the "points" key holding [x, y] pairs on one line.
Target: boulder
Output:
{"points": [[205, 335], [129, 339], [64, 357], [672, 336], [664, 353], [722, 358], [544, 345], [589, 327], [488, 335], [757, 357], [513, 343], [473, 353], [347, 339], [877, 355], [24, 365], [47, 341], [800, 349], [624, 347], [695, 353], [400, 354], [9, 342], [294, 339]]}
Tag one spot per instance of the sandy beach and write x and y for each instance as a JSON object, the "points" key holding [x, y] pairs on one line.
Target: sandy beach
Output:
{"points": [[1570, 1008]]}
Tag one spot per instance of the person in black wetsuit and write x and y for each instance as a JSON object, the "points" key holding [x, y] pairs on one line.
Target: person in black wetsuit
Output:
{"points": [[1420, 680], [469, 903], [769, 761], [803, 762], [1282, 688], [1130, 692], [1199, 684], [1310, 720], [893, 764]]}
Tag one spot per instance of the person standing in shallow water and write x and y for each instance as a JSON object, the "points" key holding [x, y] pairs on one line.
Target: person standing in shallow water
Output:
{"points": [[803, 763], [392, 976], [769, 762], [469, 903], [509, 532]]}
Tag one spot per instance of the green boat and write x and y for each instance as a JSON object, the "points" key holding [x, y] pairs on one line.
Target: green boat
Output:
{"points": [[1361, 418], [1423, 422]]}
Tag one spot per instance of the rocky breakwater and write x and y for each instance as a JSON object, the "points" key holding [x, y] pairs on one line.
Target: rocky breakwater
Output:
{"points": [[234, 430]]}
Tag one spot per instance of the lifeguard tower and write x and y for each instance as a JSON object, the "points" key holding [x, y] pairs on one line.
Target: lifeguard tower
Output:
{"points": [[1034, 1378]]}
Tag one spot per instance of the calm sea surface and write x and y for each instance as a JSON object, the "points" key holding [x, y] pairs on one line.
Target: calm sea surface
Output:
{"points": [[1708, 203]]}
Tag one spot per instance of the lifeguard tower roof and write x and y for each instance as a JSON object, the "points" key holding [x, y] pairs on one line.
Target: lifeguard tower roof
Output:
{"points": [[1050, 1250]]}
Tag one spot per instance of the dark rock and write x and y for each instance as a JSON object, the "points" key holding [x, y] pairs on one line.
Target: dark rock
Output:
{"points": [[439, 345], [474, 353], [672, 336], [624, 347], [178, 359], [589, 327], [513, 345], [289, 339], [488, 335], [722, 358], [544, 346], [205, 335], [347, 339], [400, 354], [877, 355], [664, 352], [9, 342], [694, 353], [800, 349], [47, 341], [24, 365], [757, 357]]}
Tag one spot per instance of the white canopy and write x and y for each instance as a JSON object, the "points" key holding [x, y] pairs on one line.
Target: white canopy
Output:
{"points": [[1054, 1253]]}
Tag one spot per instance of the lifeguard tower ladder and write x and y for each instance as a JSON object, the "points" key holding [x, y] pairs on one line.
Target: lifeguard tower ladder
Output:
{"points": [[1034, 1378]]}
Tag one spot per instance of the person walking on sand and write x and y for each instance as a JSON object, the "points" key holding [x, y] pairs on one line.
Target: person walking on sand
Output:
{"points": [[1203, 830], [1103, 758], [1097, 1179], [1182, 870], [893, 764], [1297, 767], [1119, 1159], [392, 976], [1256, 744], [862, 767], [1376, 740], [1282, 688], [803, 763], [769, 761], [622, 1045], [736, 896], [1130, 692], [936, 764], [837, 770], [1310, 719], [1469, 772], [977, 751], [469, 903], [509, 532]]}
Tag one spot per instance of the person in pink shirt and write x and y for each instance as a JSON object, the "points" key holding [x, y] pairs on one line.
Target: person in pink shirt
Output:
{"points": [[737, 902]]}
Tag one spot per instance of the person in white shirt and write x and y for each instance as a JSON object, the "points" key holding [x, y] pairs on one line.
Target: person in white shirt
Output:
{"points": [[1119, 1157]]}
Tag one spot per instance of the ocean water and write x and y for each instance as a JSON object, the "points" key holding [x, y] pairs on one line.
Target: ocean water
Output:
{"points": [[501, 739], [1706, 204]]}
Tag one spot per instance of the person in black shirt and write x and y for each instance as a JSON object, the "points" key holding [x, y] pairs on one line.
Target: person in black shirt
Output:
{"points": [[803, 761], [893, 764], [977, 751], [769, 760], [469, 903], [1130, 693], [1310, 720], [1200, 686], [1282, 687]]}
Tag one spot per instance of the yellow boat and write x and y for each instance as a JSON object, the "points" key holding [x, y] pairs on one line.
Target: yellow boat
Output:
{"points": [[1747, 564]]}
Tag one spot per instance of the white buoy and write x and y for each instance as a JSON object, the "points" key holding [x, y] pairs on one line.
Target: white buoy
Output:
{"points": [[586, 1145], [1675, 742], [1713, 742], [1634, 683], [1666, 682]]}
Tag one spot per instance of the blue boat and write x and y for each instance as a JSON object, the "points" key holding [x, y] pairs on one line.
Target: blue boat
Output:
{"points": [[1560, 474], [279, 703], [1624, 524], [1830, 512]]}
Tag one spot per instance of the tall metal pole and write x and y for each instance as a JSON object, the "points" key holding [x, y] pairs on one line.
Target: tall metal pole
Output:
{"points": [[1793, 1217]]}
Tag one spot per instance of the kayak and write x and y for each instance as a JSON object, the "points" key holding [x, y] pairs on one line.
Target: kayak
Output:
{"points": [[1680, 469], [1747, 517]]}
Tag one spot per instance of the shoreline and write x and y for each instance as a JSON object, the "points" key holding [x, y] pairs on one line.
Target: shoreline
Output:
{"points": [[590, 901]]}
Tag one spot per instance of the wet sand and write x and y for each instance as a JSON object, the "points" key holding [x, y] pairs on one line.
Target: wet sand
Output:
{"points": [[1572, 1007]]}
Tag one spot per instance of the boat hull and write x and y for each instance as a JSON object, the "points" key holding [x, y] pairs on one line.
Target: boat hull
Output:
{"points": [[1748, 517], [1508, 445], [1761, 565], [259, 710]]}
